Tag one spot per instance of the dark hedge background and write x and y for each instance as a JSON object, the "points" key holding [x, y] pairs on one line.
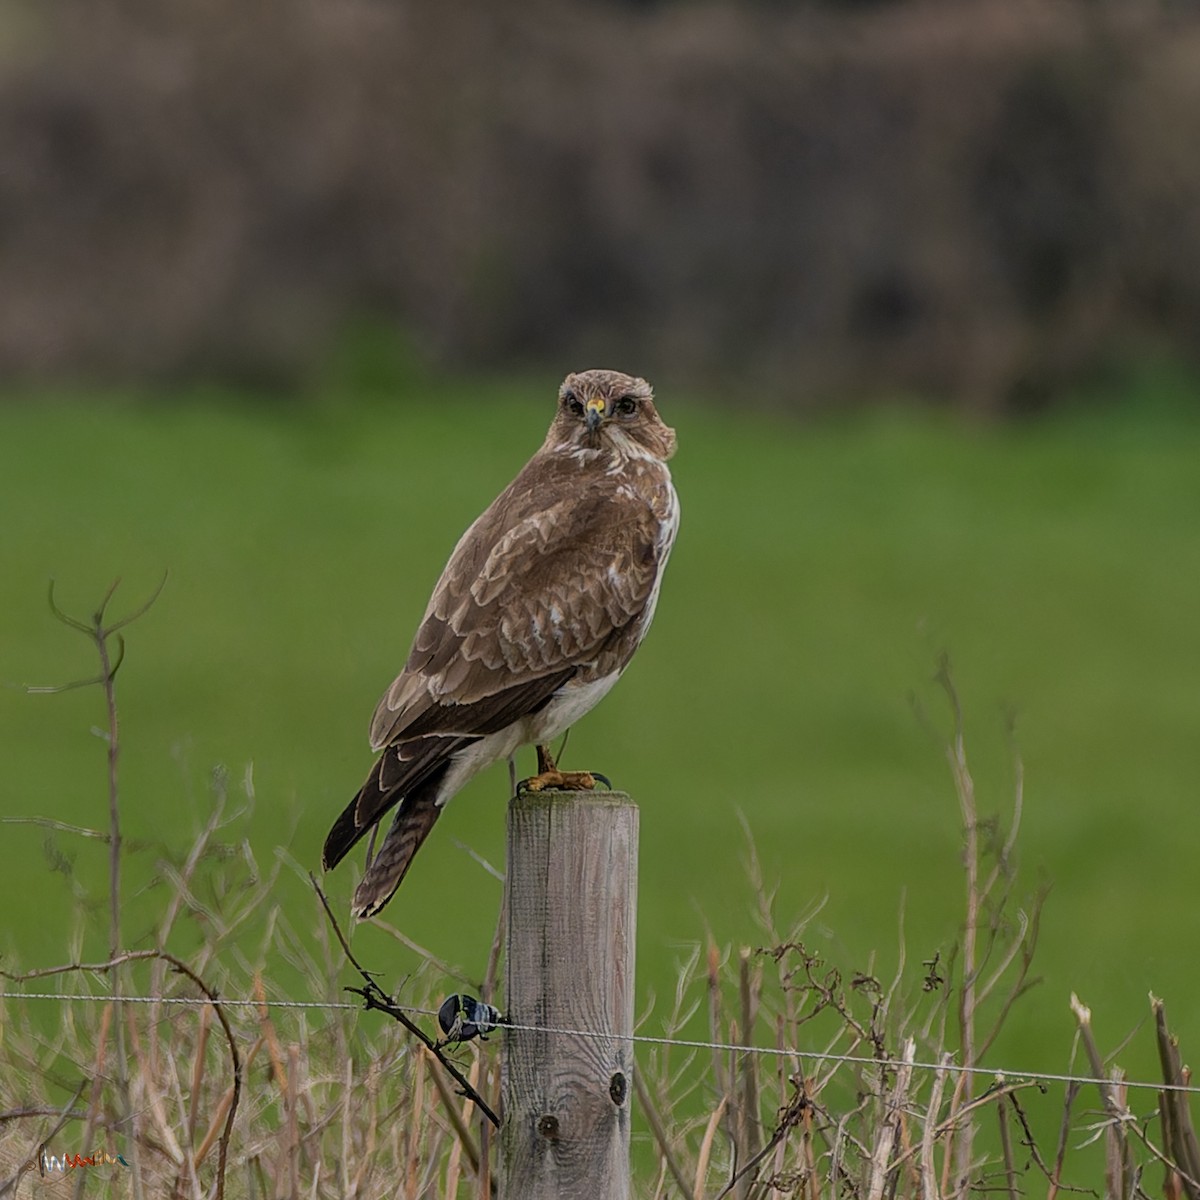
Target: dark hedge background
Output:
{"points": [[978, 200]]}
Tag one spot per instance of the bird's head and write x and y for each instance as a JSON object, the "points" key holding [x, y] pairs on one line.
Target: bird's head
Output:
{"points": [[607, 410]]}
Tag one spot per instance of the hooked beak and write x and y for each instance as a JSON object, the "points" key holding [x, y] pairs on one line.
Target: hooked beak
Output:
{"points": [[597, 410]]}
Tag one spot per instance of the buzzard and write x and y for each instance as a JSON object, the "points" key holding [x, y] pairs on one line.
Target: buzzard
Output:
{"points": [[539, 610]]}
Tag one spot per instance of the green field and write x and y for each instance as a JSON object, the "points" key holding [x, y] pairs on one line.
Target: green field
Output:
{"points": [[820, 572]]}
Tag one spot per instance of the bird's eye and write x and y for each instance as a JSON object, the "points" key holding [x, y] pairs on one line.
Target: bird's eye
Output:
{"points": [[626, 406], [572, 403]]}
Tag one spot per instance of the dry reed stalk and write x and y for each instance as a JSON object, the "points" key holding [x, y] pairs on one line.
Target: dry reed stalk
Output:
{"points": [[746, 1106], [998, 1092], [374, 1072], [274, 1050], [156, 1108], [889, 1124], [1179, 1135], [485, 1191], [95, 1094], [666, 1151], [909, 1154], [963, 1142], [220, 1112], [413, 1156], [143, 1079], [172, 1088], [344, 1157], [459, 1120], [1120, 1170], [291, 1108], [1006, 1151], [929, 1182], [706, 1145], [810, 1158], [784, 1082], [198, 1074], [454, 1164], [716, 1025], [1064, 1134], [660, 1184]]}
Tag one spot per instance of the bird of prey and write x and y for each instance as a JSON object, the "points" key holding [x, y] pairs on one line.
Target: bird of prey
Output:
{"points": [[539, 610]]}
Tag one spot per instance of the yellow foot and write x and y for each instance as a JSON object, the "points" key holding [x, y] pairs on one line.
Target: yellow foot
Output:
{"points": [[549, 777], [562, 781]]}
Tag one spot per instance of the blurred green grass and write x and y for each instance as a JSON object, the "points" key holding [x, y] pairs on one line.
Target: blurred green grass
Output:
{"points": [[820, 572]]}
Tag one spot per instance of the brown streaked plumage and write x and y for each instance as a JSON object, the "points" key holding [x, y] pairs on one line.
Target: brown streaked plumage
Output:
{"points": [[539, 610]]}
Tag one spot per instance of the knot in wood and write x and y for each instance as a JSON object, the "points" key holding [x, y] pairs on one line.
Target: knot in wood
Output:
{"points": [[617, 1088], [547, 1126]]}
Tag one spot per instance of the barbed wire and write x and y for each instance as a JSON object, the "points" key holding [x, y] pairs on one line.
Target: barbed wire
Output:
{"points": [[999, 1075]]}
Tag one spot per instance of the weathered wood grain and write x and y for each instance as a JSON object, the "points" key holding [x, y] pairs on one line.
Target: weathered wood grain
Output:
{"points": [[572, 913]]}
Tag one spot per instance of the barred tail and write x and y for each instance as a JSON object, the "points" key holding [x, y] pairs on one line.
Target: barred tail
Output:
{"points": [[416, 818]]}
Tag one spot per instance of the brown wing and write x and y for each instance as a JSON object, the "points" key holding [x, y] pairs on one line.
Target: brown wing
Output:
{"points": [[539, 588]]}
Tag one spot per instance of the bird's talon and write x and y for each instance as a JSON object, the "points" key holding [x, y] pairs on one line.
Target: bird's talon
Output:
{"points": [[560, 781]]}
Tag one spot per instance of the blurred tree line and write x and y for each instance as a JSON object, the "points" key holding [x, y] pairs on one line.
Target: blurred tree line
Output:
{"points": [[977, 199]]}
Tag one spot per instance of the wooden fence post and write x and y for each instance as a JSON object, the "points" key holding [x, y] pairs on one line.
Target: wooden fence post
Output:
{"points": [[572, 921]]}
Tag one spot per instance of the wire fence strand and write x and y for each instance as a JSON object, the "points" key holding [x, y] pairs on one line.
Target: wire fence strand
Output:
{"points": [[999, 1075]]}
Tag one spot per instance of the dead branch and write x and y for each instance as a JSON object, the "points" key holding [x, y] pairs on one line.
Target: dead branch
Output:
{"points": [[374, 997]]}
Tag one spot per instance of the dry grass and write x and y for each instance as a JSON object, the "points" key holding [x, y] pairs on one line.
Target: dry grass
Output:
{"points": [[879, 1105], [212, 1098], [304, 1102]]}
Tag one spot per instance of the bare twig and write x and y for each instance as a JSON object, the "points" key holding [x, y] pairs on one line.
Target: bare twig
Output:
{"points": [[1054, 1175], [375, 997]]}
